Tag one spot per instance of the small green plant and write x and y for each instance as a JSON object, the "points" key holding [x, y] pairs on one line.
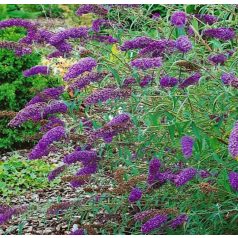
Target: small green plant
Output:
{"points": [[18, 176]]}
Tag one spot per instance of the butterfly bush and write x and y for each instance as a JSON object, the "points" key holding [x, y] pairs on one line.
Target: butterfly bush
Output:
{"points": [[125, 103], [84, 65], [39, 69], [135, 195]]}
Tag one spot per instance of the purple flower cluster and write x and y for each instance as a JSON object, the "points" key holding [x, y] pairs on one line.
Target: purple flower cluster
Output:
{"points": [[153, 223], [146, 80], [233, 142], [147, 63], [178, 19], [53, 107], [98, 23], [102, 95], [187, 146], [37, 112], [118, 124], [58, 38], [221, 33], [19, 49], [158, 48], [155, 175], [218, 59], [184, 176], [41, 149], [129, 81], [204, 173], [155, 15], [230, 79], [79, 231], [136, 43], [84, 65], [178, 221], [7, 212], [192, 80], [168, 82], [85, 157], [91, 8], [135, 195], [233, 179], [39, 69], [183, 44], [47, 95], [31, 112], [56, 172], [86, 80], [207, 18]]}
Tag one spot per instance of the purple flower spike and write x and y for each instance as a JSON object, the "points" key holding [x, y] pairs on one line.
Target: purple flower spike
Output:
{"points": [[233, 142], [44, 70], [154, 166], [78, 232], [207, 18], [88, 169], [218, 59], [86, 156], [230, 79], [153, 223], [184, 176], [55, 134], [135, 195], [136, 43], [192, 80], [47, 95], [156, 15], [183, 44], [222, 33], [102, 95], [98, 23], [85, 64], [233, 179], [129, 81], [54, 173], [168, 82], [146, 80], [178, 221], [75, 33], [204, 173], [187, 146], [178, 19], [86, 80], [147, 63], [91, 8]]}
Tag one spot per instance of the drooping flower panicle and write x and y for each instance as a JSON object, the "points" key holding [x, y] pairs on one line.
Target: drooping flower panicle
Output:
{"points": [[187, 143], [39, 69], [84, 65], [178, 19], [135, 195], [147, 63]]}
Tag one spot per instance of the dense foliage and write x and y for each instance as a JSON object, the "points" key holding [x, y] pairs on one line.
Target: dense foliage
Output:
{"points": [[147, 112]]}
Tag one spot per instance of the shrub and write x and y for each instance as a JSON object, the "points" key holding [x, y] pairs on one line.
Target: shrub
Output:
{"points": [[148, 110]]}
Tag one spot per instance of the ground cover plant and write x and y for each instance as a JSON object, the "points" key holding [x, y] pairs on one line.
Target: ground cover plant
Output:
{"points": [[144, 117]]}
